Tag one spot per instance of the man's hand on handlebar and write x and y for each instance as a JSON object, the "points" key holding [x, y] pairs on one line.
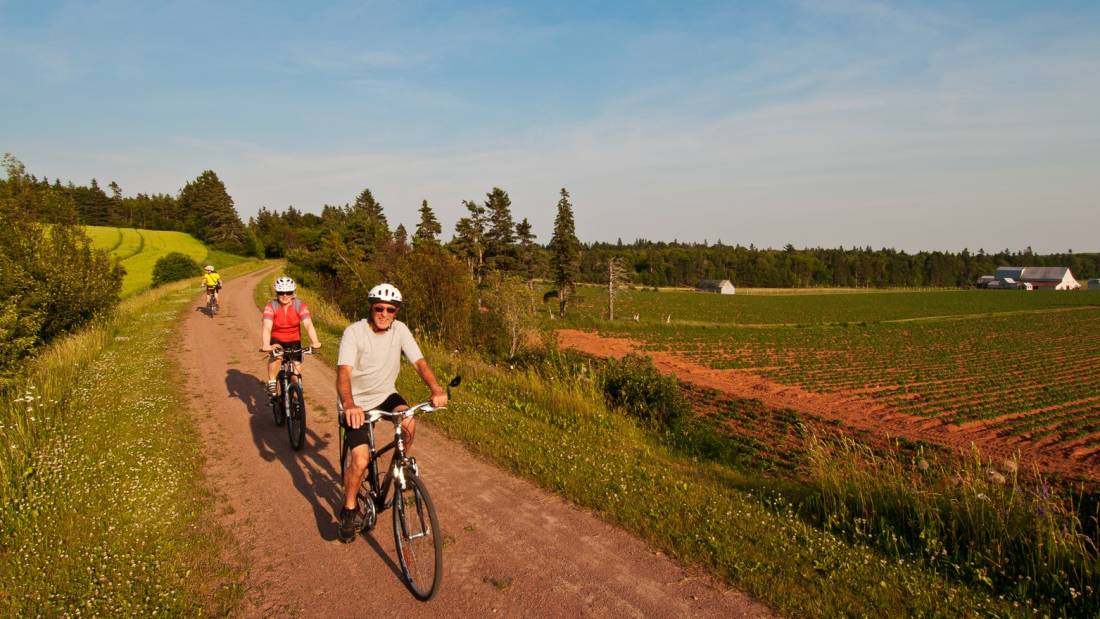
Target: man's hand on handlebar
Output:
{"points": [[354, 417], [439, 400]]}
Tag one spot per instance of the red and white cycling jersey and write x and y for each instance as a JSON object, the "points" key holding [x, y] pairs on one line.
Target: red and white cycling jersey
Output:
{"points": [[285, 319]]}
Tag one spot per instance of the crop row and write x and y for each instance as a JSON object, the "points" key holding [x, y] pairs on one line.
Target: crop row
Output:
{"points": [[1027, 364]]}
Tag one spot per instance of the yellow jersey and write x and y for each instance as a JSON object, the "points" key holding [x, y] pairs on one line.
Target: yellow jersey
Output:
{"points": [[211, 279]]}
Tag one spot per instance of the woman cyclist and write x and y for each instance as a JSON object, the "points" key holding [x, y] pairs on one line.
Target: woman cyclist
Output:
{"points": [[282, 321], [212, 281]]}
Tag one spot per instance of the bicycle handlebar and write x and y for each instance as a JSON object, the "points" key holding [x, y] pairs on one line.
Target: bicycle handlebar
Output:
{"points": [[279, 351]]}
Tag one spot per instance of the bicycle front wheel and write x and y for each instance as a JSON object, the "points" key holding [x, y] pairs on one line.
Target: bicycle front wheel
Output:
{"points": [[296, 417], [417, 537]]}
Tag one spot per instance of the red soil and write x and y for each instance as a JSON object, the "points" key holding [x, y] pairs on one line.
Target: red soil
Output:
{"points": [[852, 409]]}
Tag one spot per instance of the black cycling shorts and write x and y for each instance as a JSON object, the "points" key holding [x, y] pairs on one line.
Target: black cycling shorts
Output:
{"points": [[296, 344], [358, 437]]}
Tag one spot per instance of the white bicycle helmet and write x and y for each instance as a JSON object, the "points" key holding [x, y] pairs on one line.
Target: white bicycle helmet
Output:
{"points": [[284, 284], [209, 268], [384, 293]]}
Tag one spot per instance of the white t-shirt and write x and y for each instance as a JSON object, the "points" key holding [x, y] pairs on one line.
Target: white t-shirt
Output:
{"points": [[375, 359]]}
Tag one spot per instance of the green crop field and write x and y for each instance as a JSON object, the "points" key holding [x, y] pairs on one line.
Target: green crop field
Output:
{"points": [[801, 307], [139, 251], [1024, 362]]}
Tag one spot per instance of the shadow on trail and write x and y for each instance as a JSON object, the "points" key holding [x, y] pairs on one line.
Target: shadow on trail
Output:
{"points": [[313, 476]]}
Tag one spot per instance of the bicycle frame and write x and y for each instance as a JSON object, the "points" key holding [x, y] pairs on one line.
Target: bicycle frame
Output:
{"points": [[380, 488]]}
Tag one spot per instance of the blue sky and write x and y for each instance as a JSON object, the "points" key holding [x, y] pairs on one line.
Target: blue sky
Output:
{"points": [[917, 125]]}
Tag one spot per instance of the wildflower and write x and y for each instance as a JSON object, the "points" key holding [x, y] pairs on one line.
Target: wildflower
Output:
{"points": [[1011, 466], [996, 477], [922, 464]]}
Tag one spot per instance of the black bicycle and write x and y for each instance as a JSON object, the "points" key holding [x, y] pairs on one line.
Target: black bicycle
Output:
{"points": [[416, 532], [288, 405], [211, 301]]}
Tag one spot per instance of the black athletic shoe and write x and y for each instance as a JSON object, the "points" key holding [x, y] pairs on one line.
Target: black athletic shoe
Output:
{"points": [[351, 522]]}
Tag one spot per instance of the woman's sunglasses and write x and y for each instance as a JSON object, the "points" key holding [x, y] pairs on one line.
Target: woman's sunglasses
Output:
{"points": [[286, 294], [389, 309]]}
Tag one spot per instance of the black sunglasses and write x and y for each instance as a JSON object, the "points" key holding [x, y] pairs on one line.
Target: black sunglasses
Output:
{"points": [[284, 293], [389, 309]]}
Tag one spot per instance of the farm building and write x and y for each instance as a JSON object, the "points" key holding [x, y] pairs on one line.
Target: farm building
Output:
{"points": [[1094, 284], [721, 286], [1058, 278]]}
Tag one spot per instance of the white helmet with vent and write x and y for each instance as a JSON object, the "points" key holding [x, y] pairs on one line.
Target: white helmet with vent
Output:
{"points": [[384, 293], [284, 284]]}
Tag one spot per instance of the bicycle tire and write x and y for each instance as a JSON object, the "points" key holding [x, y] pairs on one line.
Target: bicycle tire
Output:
{"points": [[296, 417], [417, 538]]}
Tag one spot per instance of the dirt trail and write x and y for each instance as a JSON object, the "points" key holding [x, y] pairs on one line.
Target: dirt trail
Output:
{"points": [[853, 410], [511, 549]]}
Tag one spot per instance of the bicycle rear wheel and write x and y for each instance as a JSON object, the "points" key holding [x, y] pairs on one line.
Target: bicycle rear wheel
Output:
{"points": [[296, 417], [417, 537]]}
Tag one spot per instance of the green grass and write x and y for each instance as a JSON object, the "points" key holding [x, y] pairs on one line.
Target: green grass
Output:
{"points": [[104, 507], [681, 307], [559, 434], [139, 250]]}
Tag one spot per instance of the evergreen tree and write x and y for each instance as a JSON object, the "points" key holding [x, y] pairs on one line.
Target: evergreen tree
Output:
{"points": [[428, 230], [210, 215], [527, 252], [565, 252], [401, 238], [469, 240], [500, 238], [367, 228]]}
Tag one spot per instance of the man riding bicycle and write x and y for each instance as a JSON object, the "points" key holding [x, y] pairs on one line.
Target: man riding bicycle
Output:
{"points": [[366, 376], [282, 321], [212, 281]]}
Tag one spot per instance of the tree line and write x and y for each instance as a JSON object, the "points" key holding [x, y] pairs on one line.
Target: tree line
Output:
{"points": [[477, 288]]}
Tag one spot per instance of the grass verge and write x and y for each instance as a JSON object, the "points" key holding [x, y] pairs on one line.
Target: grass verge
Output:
{"points": [[104, 507]]}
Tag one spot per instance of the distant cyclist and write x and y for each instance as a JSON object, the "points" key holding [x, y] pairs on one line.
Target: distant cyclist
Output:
{"points": [[283, 318], [213, 283], [366, 376]]}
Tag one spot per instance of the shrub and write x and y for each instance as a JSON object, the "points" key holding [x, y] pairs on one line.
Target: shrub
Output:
{"points": [[438, 293], [507, 318], [635, 385], [174, 267], [54, 279]]}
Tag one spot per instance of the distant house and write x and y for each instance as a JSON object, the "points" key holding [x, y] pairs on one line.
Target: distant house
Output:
{"points": [[1058, 278], [721, 286], [1094, 284], [985, 280]]}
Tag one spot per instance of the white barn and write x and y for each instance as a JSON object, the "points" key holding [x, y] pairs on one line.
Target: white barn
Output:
{"points": [[1058, 278], [721, 286]]}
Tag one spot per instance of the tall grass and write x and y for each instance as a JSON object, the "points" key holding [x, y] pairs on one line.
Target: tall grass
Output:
{"points": [[103, 510], [973, 520]]}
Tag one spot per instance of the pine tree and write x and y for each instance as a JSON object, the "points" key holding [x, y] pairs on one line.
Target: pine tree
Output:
{"points": [[565, 252], [500, 238], [428, 230], [401, 238], [366, 225], [469, 240], [526, 254], [210, 215]]}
